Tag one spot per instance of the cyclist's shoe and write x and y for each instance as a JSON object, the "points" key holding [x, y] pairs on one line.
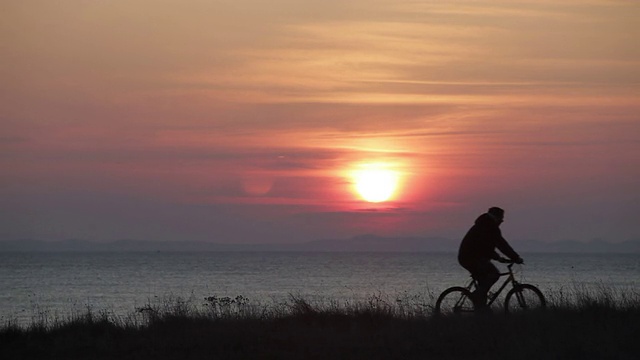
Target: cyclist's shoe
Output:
{"points": [[479, 301]]}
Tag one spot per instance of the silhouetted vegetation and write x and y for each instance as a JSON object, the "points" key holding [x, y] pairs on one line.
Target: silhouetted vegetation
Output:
{"points": [[579, 324]]}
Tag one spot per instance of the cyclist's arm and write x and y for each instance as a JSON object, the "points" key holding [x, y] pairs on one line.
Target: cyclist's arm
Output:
{"points": [[506, 249]]}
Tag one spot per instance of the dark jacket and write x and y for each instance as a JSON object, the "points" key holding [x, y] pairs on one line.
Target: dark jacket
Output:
{"points": [[482, 240]]}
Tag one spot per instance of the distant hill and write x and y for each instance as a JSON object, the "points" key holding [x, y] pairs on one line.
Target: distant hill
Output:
{"points": [[356, 244], [363, 243], [574, 246], [29, 245], [382, 244]]}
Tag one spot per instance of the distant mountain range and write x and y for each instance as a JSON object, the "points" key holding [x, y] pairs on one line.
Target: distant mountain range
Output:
{"points": [[363, 243]]}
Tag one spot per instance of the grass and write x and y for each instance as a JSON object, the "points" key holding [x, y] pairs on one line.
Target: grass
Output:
{"points": [[577, 324]]}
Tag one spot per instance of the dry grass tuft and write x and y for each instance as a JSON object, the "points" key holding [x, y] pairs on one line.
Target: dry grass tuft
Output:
{"points": [[580, 323]]}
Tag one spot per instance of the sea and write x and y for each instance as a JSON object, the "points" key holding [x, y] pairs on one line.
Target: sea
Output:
{"points": [[59, 285]]}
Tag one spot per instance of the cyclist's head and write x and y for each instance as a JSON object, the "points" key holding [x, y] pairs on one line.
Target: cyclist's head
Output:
{"points": [[497, 213]]}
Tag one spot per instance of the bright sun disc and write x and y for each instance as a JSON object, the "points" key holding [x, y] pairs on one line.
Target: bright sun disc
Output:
{"points": [[376, 184]]}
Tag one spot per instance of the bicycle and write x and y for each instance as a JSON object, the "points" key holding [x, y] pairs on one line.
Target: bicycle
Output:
{"points": [[456, 300]]}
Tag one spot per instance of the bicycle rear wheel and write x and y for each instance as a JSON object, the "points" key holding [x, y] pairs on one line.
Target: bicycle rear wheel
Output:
{"points": [[454, 301], [524, 297]]}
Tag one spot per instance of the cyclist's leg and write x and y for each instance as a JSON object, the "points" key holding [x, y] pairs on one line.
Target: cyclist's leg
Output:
{"points": [[486, 275], [472, 265]]}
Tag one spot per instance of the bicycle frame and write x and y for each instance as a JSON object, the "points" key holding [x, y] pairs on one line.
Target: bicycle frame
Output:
{"points": [[457, 299], [492, 297]]}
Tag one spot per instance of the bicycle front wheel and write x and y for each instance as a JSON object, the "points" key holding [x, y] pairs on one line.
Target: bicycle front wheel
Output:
{"points": [[454, 301], [524, 297]]}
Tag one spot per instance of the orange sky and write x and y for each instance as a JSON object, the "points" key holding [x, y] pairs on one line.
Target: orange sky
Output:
{"points": [[240, 121]]}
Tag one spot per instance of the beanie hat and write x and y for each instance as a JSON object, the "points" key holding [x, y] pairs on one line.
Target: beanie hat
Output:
{"points": [[497, 212]]}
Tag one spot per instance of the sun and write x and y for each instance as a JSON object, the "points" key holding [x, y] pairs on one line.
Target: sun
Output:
{"points": [[375, 183]]}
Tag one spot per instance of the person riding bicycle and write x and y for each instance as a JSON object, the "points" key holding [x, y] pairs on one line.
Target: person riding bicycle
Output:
{"points": [[478, 249]]}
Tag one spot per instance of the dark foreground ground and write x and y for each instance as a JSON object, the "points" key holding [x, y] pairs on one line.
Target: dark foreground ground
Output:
{"points": [[588, 331]]}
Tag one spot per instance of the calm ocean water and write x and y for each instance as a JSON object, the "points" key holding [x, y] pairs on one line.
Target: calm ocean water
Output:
{"points": [[64, 283]]}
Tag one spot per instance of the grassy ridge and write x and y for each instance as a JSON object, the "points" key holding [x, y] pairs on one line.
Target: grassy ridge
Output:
{"points": [[584, 325]]}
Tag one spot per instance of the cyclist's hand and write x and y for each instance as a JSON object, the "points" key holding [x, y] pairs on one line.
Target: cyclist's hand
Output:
{"points": [[519, 260]]}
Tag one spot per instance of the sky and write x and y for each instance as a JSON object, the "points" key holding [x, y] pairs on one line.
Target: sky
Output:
{"points": [[247, 121]]}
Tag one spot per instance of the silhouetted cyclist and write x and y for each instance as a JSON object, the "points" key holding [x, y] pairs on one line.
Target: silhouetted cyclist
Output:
{"points": [[478, 248]]}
